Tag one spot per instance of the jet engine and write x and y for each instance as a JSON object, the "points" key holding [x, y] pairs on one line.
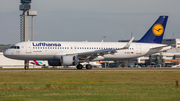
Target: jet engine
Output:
{"points": [[64, 61], [69, 60]]}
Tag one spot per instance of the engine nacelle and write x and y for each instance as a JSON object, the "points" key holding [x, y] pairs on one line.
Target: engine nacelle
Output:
{"points": [[69, 60], [64, 61]]}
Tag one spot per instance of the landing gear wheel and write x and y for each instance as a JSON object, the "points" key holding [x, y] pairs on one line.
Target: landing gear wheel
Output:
{"points": [[26, 67], [79, 66], [26, 64], [88, 66]]}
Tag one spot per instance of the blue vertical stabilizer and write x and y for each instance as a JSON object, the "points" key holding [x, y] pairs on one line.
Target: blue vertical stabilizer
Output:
{"points": [[156, 32]]}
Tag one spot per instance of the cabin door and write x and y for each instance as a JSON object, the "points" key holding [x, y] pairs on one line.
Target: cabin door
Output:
{"points": [[28, 48], [138, 49]]}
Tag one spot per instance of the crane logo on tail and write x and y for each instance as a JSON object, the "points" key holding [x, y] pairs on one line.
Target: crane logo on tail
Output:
{"points": [[158, 29]]}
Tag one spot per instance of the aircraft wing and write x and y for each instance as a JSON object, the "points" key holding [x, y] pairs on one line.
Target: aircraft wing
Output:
{"points": [[93, 54]]}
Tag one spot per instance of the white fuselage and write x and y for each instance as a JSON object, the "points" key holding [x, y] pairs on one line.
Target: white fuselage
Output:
{"points": [[52, 50]]}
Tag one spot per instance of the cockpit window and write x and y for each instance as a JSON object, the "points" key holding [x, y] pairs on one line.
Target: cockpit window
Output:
{"points": [[14, 47]]}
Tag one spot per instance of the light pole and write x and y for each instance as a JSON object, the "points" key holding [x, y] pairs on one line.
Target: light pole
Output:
{"points": [[32, 29]]}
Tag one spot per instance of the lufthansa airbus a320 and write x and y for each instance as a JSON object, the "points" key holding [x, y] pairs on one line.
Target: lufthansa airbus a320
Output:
{"points": [[74, 53]]}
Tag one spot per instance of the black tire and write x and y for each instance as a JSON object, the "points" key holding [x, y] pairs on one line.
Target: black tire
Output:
{"points": [[26, 67], [88, 66], [26, 64], [79, 66]]}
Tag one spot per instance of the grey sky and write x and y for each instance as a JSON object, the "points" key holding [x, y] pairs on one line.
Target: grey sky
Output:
{"points": [[80, 20]]}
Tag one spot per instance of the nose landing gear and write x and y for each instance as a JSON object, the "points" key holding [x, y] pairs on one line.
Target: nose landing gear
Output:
{"points": [[26, 64]]}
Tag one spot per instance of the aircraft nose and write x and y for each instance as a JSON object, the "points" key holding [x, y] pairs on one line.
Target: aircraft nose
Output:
{"points": [[7, 53]]}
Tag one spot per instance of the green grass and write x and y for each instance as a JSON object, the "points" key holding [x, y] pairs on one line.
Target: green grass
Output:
{"points": [[89, 85]]}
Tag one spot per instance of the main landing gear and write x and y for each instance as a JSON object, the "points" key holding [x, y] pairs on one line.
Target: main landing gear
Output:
{"points": [[88, 66], [79, 66]]}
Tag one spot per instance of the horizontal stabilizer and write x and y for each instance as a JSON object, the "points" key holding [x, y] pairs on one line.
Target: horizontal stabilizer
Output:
{"points": [[159, 48]]}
